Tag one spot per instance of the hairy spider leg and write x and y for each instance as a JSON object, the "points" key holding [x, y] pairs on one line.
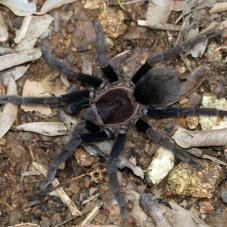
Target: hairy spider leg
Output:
{"points": [[69, 148], [56, 64], [112, 172], [102, 55], [72, 100], [172, 52], [180, 153], [183, 112]]}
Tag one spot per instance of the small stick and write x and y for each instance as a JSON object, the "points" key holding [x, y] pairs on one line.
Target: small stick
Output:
{"points": [[92, 214], [65, 221], [59, 191], [90, 198]]}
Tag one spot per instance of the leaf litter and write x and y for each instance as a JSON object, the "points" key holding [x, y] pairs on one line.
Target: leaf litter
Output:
{"points": [[34, 27]]}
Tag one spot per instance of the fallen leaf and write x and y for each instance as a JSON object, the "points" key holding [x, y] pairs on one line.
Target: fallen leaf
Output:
{"points": [[21, 33], [70, 121], [21, 7], [9, 112], [205, 138], [32, 28], [10, 60], [16, 73], [52, 4], [158, 13], [3, 30], [44, 128], [130, 164], [35, 88], [219, 7]]}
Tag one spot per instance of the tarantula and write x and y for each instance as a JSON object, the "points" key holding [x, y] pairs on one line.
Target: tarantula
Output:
{"points": [[117, 105]]}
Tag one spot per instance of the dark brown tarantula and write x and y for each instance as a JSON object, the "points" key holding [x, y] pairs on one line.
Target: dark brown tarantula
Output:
{"points": [[116, 106]]}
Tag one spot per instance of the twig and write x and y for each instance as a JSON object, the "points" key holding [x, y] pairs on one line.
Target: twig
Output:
{"points": [[90, 198], [65, 222], [59, 191], [92, 214]]}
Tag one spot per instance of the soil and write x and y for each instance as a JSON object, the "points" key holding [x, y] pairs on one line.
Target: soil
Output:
{"points": [[20, 198]]}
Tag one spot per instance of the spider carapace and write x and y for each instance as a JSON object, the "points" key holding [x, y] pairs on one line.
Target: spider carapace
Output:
{"points": [[117, 105]]}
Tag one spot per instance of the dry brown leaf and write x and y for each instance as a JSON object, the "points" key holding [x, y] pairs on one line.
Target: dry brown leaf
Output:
{"points": [[9, 113], [44, 128], [205, 138], [34, 88]]}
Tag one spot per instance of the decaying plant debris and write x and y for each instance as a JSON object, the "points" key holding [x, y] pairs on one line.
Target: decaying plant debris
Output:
{"points": [[31, 136]]}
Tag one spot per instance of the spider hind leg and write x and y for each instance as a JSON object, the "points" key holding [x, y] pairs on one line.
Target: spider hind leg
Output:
{"points": [[180, 153], [112, 173], [69, 148]]}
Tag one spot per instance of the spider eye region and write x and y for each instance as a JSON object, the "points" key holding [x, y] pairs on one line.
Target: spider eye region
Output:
{"points": [[116, 106]]}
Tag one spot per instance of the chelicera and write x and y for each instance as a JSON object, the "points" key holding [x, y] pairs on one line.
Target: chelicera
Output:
{"points": [[117, 105]]}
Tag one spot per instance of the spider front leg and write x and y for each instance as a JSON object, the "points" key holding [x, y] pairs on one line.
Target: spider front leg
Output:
{"points": [[73, 101], [112, 172], [180, 153], [102, 55], [54, 63], [171, 53], [69, 148]]}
